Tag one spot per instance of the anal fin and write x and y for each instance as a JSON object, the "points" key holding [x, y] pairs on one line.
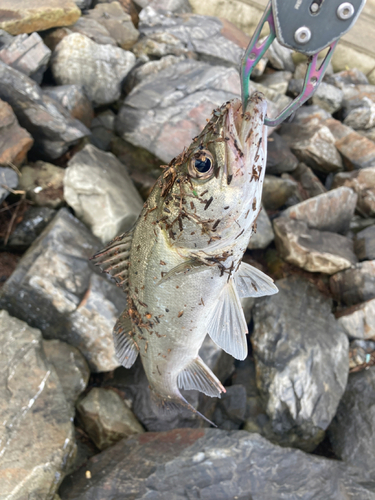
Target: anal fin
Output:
{"points": [[250, 282], [126, 348], [198, 376]]}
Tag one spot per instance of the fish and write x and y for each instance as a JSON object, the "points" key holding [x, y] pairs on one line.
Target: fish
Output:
{"points": [[181, 264]]}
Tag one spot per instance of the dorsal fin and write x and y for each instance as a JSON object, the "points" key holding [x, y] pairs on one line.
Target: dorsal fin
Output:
{"points": [[199, 377], [126, 348], [250, 282]]}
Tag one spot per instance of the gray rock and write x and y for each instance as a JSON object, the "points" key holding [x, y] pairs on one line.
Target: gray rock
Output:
{"points": [[53, 129], [362, 117], [83, 4], [347, 77], [277, 81], [364, 244], [358, 322], [43, 183], [5, 38], [8, 182], [178, 6], [32, 224], [105, 67], [331, 211], [28, 54], [106, 418], [211, 464], [74, 99], [92, 29], [37, 432], [354, 285], [328, 97], [280, 57], [310, 184], [221, 363], [363, 183], [14, 140], [277, 191], [102, 130], [263, 235], [280, 101], [55, 288], [294, 336], [352, 430], [166, 110], [98, 188], [70, 366], [280, 159], [361, 355], [312, 250], [357, 96], [230, 411]]}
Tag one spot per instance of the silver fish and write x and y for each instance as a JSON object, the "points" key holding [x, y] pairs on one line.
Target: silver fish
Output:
{"points": [[181, 264]]}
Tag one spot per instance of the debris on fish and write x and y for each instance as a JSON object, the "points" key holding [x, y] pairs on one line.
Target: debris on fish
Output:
{"points": [[181, 263]]}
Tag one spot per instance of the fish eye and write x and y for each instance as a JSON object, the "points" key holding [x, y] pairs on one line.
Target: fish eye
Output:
{"points": [[201, 164]]}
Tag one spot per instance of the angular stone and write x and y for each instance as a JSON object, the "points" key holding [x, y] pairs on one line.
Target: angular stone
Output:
{"points": [[14, 140], [70, 366], [166, 110], [301, 383], [264, 233], [106, 418], [74, 99], [98, 188], [277, 81], [37, 431], [312, 250], [83, 4], [280, 57], [328, 97], [28, 54], [347, 77], [103, 130], [53, 129], [105, 67], [357, 96], [128, 6], [331, 211], [33, 15], [352, 430], [354, 285], [32, 224], [92, 29], [53, 37], [363, 183], [43, 183], [357, 151], [309, 182], [279, 100], [277, 191], [280, 159], [211, 464], [362, 117], [364, 244], [177, 6], [55, 288], [8, 181], [358, 322]]}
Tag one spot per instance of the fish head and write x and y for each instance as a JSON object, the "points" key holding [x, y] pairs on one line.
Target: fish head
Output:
{"points": [[212, 191]]}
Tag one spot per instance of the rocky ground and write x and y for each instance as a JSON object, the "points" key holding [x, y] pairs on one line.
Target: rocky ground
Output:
{"points": [[94, 97]]}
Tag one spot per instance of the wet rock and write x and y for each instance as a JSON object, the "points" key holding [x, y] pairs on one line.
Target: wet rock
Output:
{"points": [[363, 183], [14, 140], [53, 129], [312, 250], [70, 366], [32, 224], [212, 464], [328, 97], [28, 54], [43, 183], [331, 211], [92, 29], [280, 159], [277, 191], [364, 244], [106, 418], [277, 81], [354, 285], [300, 382], [347, 77], [8, 181], [166, 110], [358, 322], [309, 182], [264, 233], [105, 67], [36, 432], [55, 288], [231, 408], [33, 15], [74, 99], [98, 188], [102, 129], [352, 430]]}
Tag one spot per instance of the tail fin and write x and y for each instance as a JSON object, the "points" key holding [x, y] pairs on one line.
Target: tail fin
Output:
{"points": [[173, 404]]}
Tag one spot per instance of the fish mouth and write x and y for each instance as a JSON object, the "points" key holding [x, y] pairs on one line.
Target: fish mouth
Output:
{"points": [[251, 123]]}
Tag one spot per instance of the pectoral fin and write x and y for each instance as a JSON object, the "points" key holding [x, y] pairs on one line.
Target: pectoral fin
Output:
{"points": [[250, 282], [228, 326], [198, 376], [189, 267], [126, 348]]}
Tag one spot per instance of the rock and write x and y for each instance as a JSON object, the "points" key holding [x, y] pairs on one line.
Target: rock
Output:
{"points": [[352, 430], [277, 81], [32, 224], [230, 411], [43, 183], [264, 233], [33, 15], [55, 288], [280, 159], [310, 184], [8, 181], [364, 244], [102, 129], [70, 366], [36, 432], [221, 363], [53, 37], [74, 99], [98, 188], [28, 54], [359, 106], [280, 57], [53, 129], [361, 355], [312, 250], [166, 110], [331, 211], [106, 418], [177, 6], [277, 191], [328, 97], [358, 322], [280, 101], [361, 118], [363, 183], [105, 67], [128, 6], [211, 464], [354, 285], [357, 151], [117, 22], [300, 381], [347, 77], [92, 29], [83, 4], [14, 140]]}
